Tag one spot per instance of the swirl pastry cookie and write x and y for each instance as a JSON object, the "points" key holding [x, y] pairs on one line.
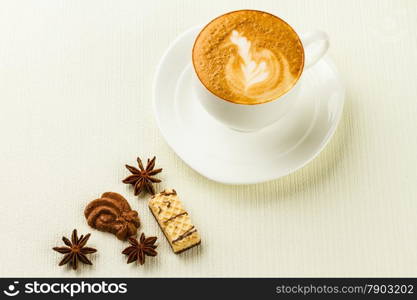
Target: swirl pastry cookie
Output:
{"points": [[174, 221], [112, 213]]}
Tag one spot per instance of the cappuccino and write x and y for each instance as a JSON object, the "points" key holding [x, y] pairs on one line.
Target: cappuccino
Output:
{"points": [[248, 57]]}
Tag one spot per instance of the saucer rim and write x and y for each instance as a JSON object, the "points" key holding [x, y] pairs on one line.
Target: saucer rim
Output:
{"points": [[326, 140]]}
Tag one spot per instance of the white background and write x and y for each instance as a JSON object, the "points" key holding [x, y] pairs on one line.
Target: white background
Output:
{"points": [[75, 92]]}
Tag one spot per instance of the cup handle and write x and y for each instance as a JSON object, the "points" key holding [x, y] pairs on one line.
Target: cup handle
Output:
{"points": [[316, 44]]}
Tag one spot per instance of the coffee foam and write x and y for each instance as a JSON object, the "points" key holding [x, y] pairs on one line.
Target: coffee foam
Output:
{"points": [[248, 57]]}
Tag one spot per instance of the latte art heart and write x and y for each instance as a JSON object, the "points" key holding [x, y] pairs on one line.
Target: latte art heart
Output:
{"points": [[255, 73], [248, 57], [245, 68]]}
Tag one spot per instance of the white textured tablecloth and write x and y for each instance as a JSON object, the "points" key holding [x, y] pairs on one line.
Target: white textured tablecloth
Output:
{"points": [[75, 92]]}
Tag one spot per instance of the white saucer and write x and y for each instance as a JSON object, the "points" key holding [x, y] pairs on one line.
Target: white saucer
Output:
{"points": [[232, 157]]}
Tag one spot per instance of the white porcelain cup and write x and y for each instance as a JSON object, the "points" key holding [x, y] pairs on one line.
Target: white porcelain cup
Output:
{"points": [[249, 118]]}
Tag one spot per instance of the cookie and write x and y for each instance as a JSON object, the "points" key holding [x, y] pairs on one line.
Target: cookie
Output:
{"points": [[112, 213], [174, 221]]}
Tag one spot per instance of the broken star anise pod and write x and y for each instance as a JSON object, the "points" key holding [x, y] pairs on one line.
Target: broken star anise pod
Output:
{"points": [[138, 249], [76, 250], [142, 178]]}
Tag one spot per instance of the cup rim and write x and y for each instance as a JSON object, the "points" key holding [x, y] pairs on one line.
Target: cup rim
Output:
{"points": [[253, 10]]}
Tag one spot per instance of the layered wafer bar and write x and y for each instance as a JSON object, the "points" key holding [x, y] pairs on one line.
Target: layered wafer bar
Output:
{"points": [[174, 221]]}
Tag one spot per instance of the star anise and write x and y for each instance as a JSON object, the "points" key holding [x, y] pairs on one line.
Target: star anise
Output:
{"points": [[142, 178], [76, 250], [138, 249]]}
